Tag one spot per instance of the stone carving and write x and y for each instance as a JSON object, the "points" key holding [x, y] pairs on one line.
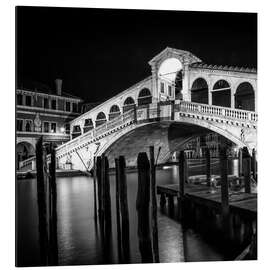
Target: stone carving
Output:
{"points": [[242, 135], [37, 123]]}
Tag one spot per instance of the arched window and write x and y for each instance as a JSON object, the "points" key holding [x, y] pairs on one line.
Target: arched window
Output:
{"points": [[76, 131], [244, 97], [28, 125], [199, 91], [128, 104], [145, 97], [114, 112], [88, 125], [221, 94], [101, 119]]}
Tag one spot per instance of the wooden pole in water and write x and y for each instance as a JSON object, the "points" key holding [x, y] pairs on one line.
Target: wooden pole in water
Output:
{"points": [[254, 164], [224, 181], [208, 167], [42, 208], [118, 214], [240, 162], [142, 206], [182, 179], [53, 210], [124, 209], [106, 196], [98, 175], [247, 170], [154, 205], [95, 188]]}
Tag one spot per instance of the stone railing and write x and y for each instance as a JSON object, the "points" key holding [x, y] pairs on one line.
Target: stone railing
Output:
{"points": [[212, 110], [122, 119], [27, 163]]}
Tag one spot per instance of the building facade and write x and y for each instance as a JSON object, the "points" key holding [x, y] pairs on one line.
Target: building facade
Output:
{"points": [[45, 113]]}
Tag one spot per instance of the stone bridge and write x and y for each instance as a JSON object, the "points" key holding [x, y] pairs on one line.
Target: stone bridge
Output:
{"points": [[182, 99]]}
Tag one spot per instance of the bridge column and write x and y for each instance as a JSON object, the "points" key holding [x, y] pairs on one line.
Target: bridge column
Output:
{"points": [[232, 99], [155, 83], [209, 97]]}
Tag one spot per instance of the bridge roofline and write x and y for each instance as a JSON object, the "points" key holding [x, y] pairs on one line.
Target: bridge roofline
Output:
{"points": [[172, 51], [223, 68], [111, 99]]}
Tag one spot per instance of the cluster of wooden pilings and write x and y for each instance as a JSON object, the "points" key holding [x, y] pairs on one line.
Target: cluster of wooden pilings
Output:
{"points": [[147, 235], [233, 226], [47, 205]]}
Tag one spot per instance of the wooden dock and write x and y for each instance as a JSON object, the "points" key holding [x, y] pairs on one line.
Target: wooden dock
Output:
{"points": [[211, 197]]}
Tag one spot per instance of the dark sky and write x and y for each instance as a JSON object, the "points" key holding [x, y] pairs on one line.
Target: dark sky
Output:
{"points": [[99, 52]]}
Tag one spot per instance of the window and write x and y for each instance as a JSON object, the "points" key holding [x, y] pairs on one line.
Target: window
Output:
{"points": [[67, 106], [19, 125], [28, 100], [45, 103], [67, 128], [28, 125], [162, 87], [74, 107], [46, 126], [53, 104], [170, 90], [53, 127], [19, 99]]}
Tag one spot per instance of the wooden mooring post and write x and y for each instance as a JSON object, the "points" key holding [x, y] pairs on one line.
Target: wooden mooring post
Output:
{"points": [[118, 213], [182, 180], [53, 258], [224, 183], [254, 164], [208, 167], [142, 206], [154, 204], [240, 162], [99, 186], [247, 170], [42, 207], [95, 187], [124, 209]]}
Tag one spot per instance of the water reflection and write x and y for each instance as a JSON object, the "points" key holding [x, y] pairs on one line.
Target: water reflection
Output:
{"points": [[79, 238]]}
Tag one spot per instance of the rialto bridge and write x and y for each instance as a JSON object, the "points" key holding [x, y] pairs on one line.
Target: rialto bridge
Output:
{"points": [[182, 99]]}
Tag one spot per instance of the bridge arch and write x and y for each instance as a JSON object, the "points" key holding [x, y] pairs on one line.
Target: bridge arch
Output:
{"points": [[24, 150], [144, 97], [76, 131], [114, 112], [199, 91], [245, 97], [128, 104], [100, 119], [221, 93]]}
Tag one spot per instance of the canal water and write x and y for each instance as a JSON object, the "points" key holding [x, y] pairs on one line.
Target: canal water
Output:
{"points": [[78, 235]]}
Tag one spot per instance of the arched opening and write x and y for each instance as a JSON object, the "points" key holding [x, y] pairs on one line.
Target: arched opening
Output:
{"points": [[128, 104], [101, 119], [170, 77], [145, 97], [221, 94], [244, 97], [114, 112], [24, 150], [88, 125], [179, 85], [199, 91], [76, 131]]}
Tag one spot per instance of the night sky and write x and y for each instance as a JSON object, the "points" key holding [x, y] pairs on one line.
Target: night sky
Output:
{"points": [[99, 53]]}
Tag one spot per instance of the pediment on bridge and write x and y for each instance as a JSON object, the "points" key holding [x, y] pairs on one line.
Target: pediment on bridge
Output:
{"points": [[185, 57]]}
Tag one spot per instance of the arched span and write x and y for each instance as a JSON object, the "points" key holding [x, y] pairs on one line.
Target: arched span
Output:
{"points": [[221, 94], [101, 119], [144, 97], [24, 150], [128, 104], [114, 112], [199, 91], [245, 97], [169, 135]]}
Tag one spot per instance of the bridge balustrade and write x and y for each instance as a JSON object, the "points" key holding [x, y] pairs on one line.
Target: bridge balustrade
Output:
{"points": [[212, 110]]}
